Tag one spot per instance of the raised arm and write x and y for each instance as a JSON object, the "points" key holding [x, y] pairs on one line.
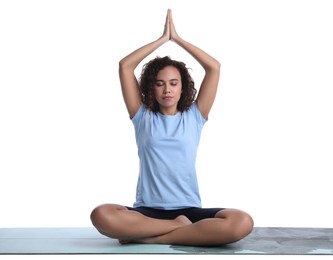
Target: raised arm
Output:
{"points": [[128, 81], [208, 88]]}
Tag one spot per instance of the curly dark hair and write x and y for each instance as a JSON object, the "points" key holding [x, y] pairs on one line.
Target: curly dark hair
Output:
{"points": [[148, 79]]}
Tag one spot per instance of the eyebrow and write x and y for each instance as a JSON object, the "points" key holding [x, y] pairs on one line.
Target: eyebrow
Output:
{"points": [[160, 80]]}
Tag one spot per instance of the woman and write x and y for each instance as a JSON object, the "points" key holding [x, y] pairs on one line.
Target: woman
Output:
{"points": [[168, 120]]}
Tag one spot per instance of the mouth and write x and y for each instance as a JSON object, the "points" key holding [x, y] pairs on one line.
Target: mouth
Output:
{"points": [[167, 97]]}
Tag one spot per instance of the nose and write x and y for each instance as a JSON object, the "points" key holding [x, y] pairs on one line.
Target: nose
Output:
{"points": [[167, 88]]}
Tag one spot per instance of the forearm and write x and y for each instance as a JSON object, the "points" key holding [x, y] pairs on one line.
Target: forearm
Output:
{"points": [[132, 60], [206, 61]]}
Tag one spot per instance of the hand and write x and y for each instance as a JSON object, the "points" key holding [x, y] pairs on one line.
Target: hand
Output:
{"points": [[166, 32], [173, 34]]}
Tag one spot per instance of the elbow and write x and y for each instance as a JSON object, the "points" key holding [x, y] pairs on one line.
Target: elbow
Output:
{"points": [[125, 64], [214, 67], [217, 65], [121, 64]]}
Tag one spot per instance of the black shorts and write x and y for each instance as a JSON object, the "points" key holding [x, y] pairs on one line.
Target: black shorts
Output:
{"points": [[193, 214]]}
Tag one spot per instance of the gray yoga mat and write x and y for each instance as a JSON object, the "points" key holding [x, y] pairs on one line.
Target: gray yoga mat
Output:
{"points": [[86, 240]]}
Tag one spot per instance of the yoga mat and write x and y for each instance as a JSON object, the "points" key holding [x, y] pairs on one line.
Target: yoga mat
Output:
{"points": [[86, 240]]}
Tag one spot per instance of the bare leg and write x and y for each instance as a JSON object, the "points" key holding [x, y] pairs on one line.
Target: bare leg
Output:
{"points": [[228, 226], [118, 222], [115, 221]]}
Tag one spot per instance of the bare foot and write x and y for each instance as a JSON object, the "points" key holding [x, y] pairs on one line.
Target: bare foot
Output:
{"points": [[183, 220], [180, 222]]}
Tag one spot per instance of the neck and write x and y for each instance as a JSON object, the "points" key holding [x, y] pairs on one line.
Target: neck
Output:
{"points": [[169, 112]]}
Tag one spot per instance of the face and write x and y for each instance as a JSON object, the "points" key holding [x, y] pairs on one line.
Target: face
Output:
{"points": [[168, 89]]}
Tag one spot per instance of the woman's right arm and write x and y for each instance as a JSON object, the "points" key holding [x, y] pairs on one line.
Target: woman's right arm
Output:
{"points": [[128, 81]]}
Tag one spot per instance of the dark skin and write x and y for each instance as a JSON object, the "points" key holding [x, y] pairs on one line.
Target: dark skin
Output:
{"points": [[116, 221]]}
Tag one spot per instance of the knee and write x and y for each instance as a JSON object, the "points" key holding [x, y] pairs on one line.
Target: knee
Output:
{"points": [[101, 214], [240, 224], [246, 224], [97, 215], [243, 226], [105, 217]]}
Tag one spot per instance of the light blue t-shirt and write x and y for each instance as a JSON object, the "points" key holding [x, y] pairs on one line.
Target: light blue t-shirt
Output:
{"points": [[167, 149]]}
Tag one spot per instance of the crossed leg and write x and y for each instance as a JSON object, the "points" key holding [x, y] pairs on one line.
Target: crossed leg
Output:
{"points": [[116, 221]]}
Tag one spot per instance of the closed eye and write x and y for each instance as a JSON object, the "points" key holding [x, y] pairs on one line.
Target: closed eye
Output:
{"points": [[159, 83], [174, 82]]}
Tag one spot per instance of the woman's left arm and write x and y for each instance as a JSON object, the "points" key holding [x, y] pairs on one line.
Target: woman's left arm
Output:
{"points": [[208, 88]]}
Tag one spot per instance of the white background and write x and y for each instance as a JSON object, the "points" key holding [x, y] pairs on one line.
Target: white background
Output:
{"points": [[67, 144]]}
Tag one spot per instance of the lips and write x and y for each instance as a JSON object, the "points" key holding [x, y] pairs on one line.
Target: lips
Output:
{"points": [[167, 97]]}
